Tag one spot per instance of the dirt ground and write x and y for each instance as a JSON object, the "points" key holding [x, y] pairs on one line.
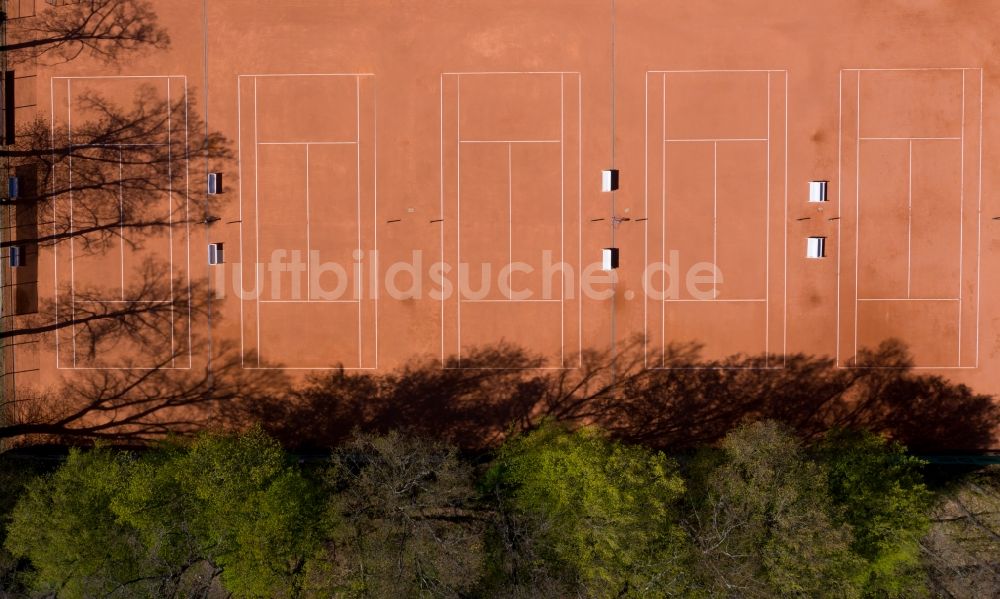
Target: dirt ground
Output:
{"points": [[387, 136]]}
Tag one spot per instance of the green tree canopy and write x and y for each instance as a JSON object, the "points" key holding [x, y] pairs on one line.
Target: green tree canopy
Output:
{"points": [[109, 523], [64, 524], [595, 512], [556, 513], [882, 497], [761, 517]]}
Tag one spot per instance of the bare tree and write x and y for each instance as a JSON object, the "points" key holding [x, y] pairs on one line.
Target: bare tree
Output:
{"points": [[961, 553], [410, 525]]}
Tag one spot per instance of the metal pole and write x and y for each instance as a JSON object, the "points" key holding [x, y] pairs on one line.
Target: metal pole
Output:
{"points": [[5, 397]]}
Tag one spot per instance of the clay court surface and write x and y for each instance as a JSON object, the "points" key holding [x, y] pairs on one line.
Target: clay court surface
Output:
{"points": [[93, 272], [475, 133]]}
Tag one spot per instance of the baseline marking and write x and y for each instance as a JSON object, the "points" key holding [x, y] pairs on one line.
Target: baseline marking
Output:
{"points": [[72, 230], [665, 141], [356, 142], [459, 142], [961, 138]]}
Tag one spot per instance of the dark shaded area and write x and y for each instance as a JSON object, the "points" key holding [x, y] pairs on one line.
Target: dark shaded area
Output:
{"points": [[132, 406], [693, 402]]}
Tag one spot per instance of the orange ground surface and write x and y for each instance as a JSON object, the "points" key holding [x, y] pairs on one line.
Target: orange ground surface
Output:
{"points": [[475, 132]]}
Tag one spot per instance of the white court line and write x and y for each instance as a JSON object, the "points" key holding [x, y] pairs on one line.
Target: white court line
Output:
{"points": [[357, 148], [910, 138], [509, 301], [125, 301], [441, 198], [715, 218], [170, 221], [187, 228], [256, 75], [663, 215], [310, 301], [909, 299], [307, 143], [716, 139], [579, 215], [256, 217], [645, 212], [55, 246], [960, 298], [72, 251], [952, 367], [458, 210], [367, 368], [857, 210], [961, 222], [664, 141], [505, 368], [375, 262], [721, 367], [510, 141], [130, 368], [721, 71], [701, 301], [645, 207], [510, 73], [239, 171], [562, 219], [917, 69], [909, 217], [510, 212], [122, 77], [170, 192], [91, 145], [459, 141], [840, 128], [121, 219], [309, 231], [979, 213], [784, 274], [767, 235]]}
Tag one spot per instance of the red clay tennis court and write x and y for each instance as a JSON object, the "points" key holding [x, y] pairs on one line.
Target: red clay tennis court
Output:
{"points": [[831, 162]]}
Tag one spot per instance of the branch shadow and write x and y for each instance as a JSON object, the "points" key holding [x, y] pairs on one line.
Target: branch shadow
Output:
{"points": [[135, 405], [688, 402], [106, 30]]}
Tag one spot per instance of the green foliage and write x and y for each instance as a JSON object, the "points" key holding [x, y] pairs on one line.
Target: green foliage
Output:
{"points": [[884, 500], [761, 516], [251, 512], [557, 513], [64, 525], [596, 511], [15, 475], [108, 523]]}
